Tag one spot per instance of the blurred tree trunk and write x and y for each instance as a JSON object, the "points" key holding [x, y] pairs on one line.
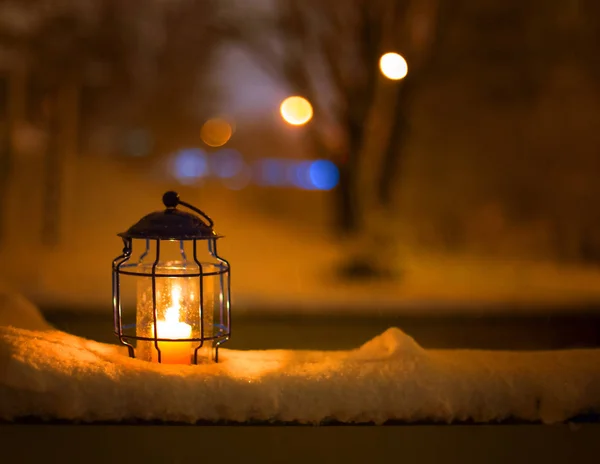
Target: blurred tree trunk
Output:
{"points": [[323, 49], [396, 146], [16, 111], [346, 209], [419, 41], [52, 178], [60, 162], [328, 52], [5, 164]]}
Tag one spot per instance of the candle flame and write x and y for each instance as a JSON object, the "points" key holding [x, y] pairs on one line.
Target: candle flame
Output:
{"points": [[172, 312]]}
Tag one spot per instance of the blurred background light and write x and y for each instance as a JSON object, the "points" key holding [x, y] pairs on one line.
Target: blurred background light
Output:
{"points": [[189, 165], [192, 164], [226, 163], [271, 172], [216, 132], [323, 174], [299, 175], [393, 66], [296, 110]]}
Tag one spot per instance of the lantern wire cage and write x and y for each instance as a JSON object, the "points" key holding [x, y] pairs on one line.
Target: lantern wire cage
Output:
{"points": [[183, 304]]}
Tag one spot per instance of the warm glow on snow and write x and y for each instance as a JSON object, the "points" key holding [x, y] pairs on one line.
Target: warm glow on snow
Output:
{"points": [[393, 66], [296, 110]]}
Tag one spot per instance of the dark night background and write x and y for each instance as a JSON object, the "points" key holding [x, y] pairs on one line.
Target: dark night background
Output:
{"points": [[459, 203]]}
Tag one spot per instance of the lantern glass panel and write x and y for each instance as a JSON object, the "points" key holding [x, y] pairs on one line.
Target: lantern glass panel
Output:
{"points": [[221, 284], [127, 291]]}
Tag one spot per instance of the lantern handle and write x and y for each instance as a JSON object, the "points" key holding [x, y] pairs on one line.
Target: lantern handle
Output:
{"points": [[171, 200]]}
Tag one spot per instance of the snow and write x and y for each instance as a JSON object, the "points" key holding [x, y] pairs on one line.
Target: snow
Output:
{"points": [[54, 375], [17, 311]]}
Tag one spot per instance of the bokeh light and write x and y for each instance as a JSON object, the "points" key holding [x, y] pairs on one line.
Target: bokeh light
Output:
{"points": [[312, 175], [216, 132], [296, 110], [323, 174], [226, 163], [299, 176], [271, 172], [189, 165], [393, 66]]}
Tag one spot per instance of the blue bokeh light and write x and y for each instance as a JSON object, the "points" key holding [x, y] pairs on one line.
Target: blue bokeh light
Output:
{"points": [[190, 164], [271, 172], [299, 175], [323, 174], [227, 163]]}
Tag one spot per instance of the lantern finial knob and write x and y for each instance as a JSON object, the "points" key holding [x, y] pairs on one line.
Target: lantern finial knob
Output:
{"points": [[171, 199]]}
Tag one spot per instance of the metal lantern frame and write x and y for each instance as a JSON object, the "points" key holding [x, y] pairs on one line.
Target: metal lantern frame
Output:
{"points": [[172, 224]]}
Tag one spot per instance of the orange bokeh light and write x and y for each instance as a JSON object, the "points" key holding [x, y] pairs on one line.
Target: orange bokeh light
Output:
{"points": [[393, 66], [216, 132], [296, 110]]}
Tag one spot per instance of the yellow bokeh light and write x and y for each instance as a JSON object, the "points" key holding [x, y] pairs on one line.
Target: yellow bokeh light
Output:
{"points": [[296, 110], [216, 132], [393, 66]]}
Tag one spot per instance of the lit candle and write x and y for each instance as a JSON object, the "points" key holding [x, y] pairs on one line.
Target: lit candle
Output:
{"points": [[175, 352]]}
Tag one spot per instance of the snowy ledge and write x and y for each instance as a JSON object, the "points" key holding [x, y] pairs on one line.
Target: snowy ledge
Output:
{"points": [[49, 374]]}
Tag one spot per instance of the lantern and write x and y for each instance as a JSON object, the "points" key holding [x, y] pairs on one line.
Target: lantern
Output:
{"points": [[182, 310]]}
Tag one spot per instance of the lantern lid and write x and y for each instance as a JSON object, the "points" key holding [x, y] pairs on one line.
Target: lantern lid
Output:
{"points": [[172, 223]]}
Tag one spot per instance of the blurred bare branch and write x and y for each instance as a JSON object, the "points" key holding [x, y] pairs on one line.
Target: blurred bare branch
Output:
{"points": [[329, 53]]}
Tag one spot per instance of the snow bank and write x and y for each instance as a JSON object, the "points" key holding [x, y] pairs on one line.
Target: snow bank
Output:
{"points": [[17, 311], [51, 374]]}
